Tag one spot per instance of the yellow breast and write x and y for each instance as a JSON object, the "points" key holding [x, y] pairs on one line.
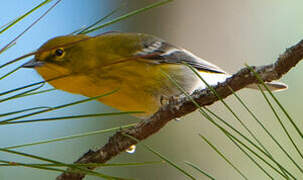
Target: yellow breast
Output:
{"points": [[139, 85]]}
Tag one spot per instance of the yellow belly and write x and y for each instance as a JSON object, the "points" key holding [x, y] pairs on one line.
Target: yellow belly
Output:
{"points": [[139, 85]]}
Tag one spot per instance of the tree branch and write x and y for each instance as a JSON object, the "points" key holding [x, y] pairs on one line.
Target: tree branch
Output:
{"points": [[179, 107]]}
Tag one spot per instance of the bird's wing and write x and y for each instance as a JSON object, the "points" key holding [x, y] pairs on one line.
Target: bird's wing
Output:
{"points": [[159, 51]]}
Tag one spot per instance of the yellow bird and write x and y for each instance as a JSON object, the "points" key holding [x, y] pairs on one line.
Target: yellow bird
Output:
{"points": [[133, 63]]}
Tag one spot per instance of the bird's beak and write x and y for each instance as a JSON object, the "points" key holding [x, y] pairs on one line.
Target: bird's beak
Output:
{"points": [[32, 64]]}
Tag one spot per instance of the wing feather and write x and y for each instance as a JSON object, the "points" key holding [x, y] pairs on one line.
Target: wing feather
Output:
{"points": [[160, 51]]}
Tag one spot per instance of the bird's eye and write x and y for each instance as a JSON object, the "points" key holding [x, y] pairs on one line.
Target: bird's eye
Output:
{"points": [[59, 52]]}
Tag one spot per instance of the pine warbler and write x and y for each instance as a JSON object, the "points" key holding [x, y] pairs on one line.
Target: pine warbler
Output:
{"points": [[133, 63]]}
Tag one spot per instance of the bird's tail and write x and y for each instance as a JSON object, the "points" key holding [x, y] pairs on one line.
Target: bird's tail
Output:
{"points": [[273, 86], [214, 78]]}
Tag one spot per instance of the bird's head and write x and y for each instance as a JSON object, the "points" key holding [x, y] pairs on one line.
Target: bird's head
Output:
{"points": [[60, 56]]}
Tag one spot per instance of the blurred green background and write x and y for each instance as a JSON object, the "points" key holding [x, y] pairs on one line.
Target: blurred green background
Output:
{"points": [[227, 33]]}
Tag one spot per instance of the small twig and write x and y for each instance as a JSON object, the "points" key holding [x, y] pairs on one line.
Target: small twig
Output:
{"points": [[179, 107]]}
